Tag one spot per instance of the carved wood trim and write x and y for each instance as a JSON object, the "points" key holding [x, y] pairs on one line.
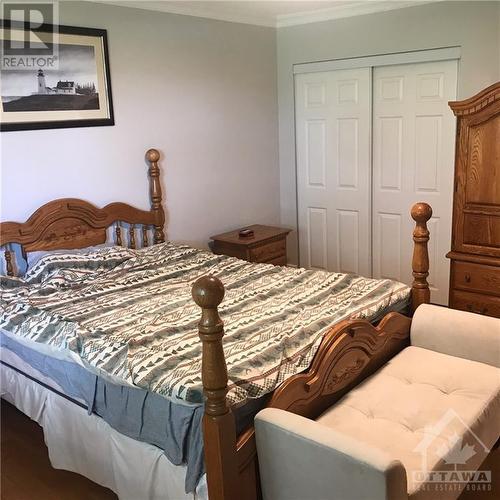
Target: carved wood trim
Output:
{"points": [[350, 352], [476, 103], [70, 223]]}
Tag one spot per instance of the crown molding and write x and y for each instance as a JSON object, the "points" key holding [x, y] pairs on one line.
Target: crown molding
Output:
{"points": [[187, 10], [336, 12], [342, 11]]}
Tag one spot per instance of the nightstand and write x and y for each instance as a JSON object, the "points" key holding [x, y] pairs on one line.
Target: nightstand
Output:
{"points": [[268, 244]]}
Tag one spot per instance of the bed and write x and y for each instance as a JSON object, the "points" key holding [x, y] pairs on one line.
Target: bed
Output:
{"points": [[108, 337]]}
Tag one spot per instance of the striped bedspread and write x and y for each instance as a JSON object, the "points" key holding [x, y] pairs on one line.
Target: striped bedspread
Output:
{"points": [[130, 314]]}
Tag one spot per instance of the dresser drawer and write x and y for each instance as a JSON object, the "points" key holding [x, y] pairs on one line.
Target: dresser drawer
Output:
{"points": [[476, 277], [476, 303], [269, 251]]}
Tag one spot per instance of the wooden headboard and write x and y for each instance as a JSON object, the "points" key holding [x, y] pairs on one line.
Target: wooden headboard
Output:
{"points": [[70, 223]]}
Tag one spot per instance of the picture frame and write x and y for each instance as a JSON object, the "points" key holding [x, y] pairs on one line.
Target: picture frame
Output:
{"points": [[74, 92]]}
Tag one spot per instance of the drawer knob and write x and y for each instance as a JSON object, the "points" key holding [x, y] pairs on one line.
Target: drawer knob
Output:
{"points": [[467, 277]]}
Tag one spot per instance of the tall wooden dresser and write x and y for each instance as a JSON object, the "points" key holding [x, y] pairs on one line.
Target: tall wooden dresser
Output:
{"points": [[475, 252]]}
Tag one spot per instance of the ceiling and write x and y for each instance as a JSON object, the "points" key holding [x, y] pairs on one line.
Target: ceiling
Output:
{"points": [[269, 13]]}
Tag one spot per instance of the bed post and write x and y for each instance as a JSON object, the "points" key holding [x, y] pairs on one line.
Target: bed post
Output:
{"points": [[420, 292], [219, 430], [152, 155]]}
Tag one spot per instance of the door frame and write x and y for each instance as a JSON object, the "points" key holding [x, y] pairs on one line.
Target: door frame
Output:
{"points": [[388, 59]]}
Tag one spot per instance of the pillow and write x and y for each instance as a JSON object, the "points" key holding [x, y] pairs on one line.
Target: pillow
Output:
{"points": [[33, 257]]}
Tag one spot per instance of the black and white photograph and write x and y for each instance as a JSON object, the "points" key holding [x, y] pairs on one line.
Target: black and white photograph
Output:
{"points": [[73, 92]]}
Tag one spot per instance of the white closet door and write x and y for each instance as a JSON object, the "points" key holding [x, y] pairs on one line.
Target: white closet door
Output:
{"points": [[333, 120], [413, 156]]}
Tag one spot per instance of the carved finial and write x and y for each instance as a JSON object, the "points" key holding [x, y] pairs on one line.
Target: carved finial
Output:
{"points": [[421, 212], [420, 292], [152, 155], [208, 293]]}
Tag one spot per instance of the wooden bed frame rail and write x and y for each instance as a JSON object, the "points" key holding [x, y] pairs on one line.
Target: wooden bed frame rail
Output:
{"points": [[349, 352]]}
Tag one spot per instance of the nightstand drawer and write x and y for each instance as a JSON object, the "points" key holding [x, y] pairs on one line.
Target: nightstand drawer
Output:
{"points": [[269, 251], [476, 277], [476, 303]]}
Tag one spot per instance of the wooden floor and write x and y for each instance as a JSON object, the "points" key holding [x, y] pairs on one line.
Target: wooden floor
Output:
{"points": [[26, 470], [26, 473]]}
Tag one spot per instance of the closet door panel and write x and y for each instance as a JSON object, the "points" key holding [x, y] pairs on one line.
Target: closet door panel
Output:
{"points": [[413, 153], [333, 128]]}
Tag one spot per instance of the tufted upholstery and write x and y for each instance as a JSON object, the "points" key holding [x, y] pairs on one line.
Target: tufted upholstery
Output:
{"points": [[392, 410]]}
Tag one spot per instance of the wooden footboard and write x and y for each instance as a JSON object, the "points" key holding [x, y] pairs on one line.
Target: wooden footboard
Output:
{"points": [[349, 352]]}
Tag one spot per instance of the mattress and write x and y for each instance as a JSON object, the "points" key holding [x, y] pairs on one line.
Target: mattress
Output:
{"points": [[117, 328]]}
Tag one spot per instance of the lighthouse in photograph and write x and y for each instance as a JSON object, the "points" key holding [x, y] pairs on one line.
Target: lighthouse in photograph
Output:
{"points": [[42, 86]]}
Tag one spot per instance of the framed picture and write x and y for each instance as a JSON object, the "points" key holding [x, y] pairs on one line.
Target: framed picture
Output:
{"points": [[61, 80]]}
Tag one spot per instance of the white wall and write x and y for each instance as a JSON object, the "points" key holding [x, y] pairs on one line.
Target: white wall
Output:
{"points": [[201, 91], [472, 25]]}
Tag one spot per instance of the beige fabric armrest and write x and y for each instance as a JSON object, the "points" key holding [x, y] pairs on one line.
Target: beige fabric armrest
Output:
{"points": [[300, 459], [457, 333]]}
